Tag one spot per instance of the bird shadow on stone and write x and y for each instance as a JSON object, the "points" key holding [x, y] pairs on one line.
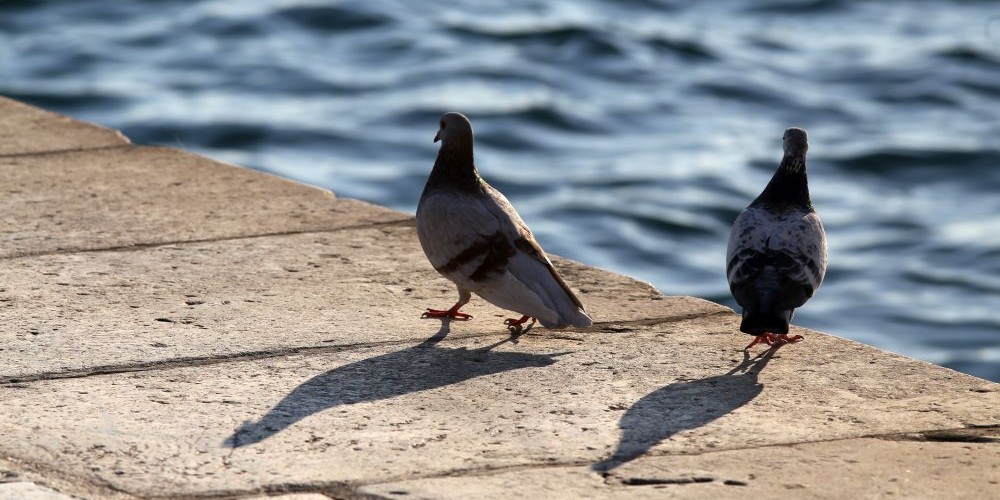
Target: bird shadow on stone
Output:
{"points": [[682, 406], [414, 369]]}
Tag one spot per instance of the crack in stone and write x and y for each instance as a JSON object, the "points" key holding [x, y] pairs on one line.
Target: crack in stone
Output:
{"points": [[193, 361], [931, 435], [349, 490], [312, 350], [652, 481], [49, 152], [61, 481], [926, 435], [145, 246], [973, 434]]}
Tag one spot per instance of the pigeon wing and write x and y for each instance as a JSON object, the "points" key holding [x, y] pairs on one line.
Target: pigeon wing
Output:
{"points": [[479, 242], [532, 267], [745, 255], [794, 244], [459, 236], [798, 251]]}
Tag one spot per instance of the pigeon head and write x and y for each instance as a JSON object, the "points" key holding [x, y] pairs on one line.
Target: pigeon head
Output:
{"points": [[455, 128], [454, 165], [789, 186], [796, 142]]}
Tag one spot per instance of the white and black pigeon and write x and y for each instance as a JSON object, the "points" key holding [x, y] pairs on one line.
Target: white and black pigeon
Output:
{"points": [[473, 236], [777, 249]]}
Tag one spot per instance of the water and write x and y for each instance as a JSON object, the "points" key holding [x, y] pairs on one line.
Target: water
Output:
{"points": [[628, 133]]}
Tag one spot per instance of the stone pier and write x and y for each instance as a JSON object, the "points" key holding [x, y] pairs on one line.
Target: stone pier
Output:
{"points": [[176, 327]]}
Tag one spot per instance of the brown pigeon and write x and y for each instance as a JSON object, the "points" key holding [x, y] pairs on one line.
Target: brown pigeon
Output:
{"points": [[473, 236]]}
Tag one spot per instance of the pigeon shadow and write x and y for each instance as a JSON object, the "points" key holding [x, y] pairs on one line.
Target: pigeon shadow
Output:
{"points": [[683, 406], [417, 368]]}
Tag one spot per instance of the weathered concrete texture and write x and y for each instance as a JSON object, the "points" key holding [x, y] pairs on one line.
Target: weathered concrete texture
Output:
{"points": [[29, 491], [440, 408], [87, 311], [129, 196], [900, 466], [25, 130], [177, 327]]}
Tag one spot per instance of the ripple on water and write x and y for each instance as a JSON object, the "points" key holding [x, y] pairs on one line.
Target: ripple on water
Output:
{"points": [[64, 100], [548, 117], [682, 47], [799, 6], [243, 136], [743, 92], [965, 54], [585, 46], [333, 18], [656, 221], [968, 281], [228, 28], [936, 163]]}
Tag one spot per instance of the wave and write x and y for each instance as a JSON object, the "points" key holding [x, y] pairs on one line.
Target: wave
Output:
{"points": [[244, 136], [333, 18], [965, 54], [682, 47], [584, 41], [70, 100], [660, 221], [799, 6], [903, 160], [952, 279]]}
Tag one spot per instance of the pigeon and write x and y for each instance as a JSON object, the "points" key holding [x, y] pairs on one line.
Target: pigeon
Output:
{"points": [[473, 236], [777, 249]]}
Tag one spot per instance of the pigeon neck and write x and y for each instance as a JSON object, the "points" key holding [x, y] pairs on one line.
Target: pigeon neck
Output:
{"points": [[454, 168], [789, 185]]}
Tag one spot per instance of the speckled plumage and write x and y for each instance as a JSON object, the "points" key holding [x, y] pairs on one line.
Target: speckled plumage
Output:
{"points": [[473, 236], [777, 256]]}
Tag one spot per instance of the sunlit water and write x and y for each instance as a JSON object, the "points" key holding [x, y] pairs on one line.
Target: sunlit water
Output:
{"points": [[629, 134]]}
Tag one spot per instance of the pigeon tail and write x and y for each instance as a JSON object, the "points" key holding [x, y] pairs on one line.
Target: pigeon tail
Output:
{"points": [[557, 296], [758, 322], [567, 310], [577, 318]]}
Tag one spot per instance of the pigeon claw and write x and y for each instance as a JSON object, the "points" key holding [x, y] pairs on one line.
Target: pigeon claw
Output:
{"points": [[516, 326], [452, 313], [774, 340]]}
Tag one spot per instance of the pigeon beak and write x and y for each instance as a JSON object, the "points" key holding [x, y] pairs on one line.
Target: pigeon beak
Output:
{"points": [[437, 136]]}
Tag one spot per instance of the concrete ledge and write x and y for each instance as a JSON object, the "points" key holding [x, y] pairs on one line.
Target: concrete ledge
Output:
{"points": [[137, 196], [25, 130], [177, 327]]}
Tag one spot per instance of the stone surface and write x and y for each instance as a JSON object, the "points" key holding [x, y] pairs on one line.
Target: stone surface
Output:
{"points": [[122, 197], [132, 309], [372, 414], [29, 491], [178, 327], [26, 130]]}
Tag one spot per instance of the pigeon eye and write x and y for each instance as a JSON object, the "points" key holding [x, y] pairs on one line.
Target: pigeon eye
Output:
{"points": [[442, 124]]}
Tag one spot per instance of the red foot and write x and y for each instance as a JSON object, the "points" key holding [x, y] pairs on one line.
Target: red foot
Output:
{"points": [[516, 322], [514, 325], [774, 340], [452, 313]]}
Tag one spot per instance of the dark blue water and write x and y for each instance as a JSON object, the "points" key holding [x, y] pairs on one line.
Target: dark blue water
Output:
{"points": [[628, 133]]}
